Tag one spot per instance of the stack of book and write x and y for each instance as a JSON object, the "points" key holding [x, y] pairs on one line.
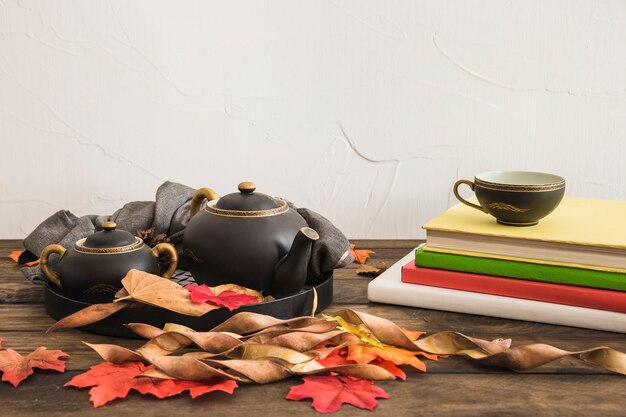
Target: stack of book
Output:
{"points": [[570, 269]]}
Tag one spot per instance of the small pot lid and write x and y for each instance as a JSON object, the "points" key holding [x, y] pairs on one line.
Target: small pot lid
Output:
{"points": [[109, 237], [247, 200]]}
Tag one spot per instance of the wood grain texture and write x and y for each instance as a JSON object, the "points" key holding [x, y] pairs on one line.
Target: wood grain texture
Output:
{"points": [[428, 395], [451, 385]]}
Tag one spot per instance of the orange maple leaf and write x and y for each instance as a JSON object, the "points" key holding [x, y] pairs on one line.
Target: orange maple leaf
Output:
{"points": [[399, 356], [412, 334], [360, 255], [15, 368], [390, 367], [15, 255]]}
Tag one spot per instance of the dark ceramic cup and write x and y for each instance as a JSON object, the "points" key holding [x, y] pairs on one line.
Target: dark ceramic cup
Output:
{"points": [[515, 198]]}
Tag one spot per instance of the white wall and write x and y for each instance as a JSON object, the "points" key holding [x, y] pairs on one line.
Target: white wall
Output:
{"points": [[366, 111]]}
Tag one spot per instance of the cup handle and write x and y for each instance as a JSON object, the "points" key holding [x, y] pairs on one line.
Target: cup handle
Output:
{"points": [[45, 265], [197, 199], [461, 199], [169, 249]]}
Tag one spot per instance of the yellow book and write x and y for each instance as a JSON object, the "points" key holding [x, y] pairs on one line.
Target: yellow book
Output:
{"points": [[581, 232]]}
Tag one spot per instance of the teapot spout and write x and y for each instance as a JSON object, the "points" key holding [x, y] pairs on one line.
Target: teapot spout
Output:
{"points": [[291, 271]]}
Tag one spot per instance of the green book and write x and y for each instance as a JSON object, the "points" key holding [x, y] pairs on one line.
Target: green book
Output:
{"points": [[522, 270]]}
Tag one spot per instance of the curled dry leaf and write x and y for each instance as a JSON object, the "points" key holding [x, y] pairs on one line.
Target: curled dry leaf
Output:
{"points": [[300, 340], [357, 370], [189, 368], [171, 342], [255, 351], [146, 331], [88, 315], [259, 371], [247, 323], [520, 358], [114, 353]]}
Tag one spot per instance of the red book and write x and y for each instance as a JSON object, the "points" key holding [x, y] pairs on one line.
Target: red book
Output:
{"points": [[517, 288]]}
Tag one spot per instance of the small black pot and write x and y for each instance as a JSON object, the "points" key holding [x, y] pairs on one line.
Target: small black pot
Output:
{"points": [[91, 271]]}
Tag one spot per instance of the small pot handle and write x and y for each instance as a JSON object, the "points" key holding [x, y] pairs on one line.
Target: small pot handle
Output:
{"points": [[45, 265], [461, 199], [198, 197], [169, 249]]}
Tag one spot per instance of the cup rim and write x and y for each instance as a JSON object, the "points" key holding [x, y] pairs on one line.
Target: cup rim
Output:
{"points": [[552, 180]]}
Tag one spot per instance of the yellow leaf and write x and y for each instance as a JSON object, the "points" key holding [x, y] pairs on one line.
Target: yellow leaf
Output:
{"points": [[358, 330]]}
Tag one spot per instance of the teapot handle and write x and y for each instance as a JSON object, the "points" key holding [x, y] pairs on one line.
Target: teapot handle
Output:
{"points": [[169, 249], [45, 265], [198, 197]]}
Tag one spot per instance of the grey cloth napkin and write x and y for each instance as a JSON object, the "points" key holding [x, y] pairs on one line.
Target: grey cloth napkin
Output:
{"points": [[169, 215]]}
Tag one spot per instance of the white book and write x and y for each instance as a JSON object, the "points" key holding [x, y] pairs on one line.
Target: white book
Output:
{"points": [[389, 288]]}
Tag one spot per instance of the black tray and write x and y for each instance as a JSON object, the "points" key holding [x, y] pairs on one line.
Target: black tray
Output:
{"points": [[58, 306]]}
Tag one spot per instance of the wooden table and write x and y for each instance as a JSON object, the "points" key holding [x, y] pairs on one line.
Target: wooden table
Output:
{"points": [[452, 386]]}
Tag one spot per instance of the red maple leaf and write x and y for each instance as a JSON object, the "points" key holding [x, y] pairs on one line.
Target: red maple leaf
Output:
{"points": [[230, 299], [110, 381], [329, 393], [335, 358], [17, 368], [390, 367], [360, 255]]}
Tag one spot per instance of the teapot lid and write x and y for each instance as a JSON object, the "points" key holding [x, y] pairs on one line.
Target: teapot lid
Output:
{"points": [[247, 203], [108, 237]]}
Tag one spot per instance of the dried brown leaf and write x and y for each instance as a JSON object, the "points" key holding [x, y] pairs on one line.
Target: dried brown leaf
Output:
{"points": [[248, 324], [161, 292], [115, 353], [373, 270], [169, 342], [87, 315]]}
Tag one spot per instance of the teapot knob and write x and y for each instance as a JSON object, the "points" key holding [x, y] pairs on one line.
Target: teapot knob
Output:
{"points": [[109, 226], [246, 187]]}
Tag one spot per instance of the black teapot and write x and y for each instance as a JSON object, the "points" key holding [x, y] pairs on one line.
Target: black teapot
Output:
{"points": [[247, 238], [91, 271]]}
